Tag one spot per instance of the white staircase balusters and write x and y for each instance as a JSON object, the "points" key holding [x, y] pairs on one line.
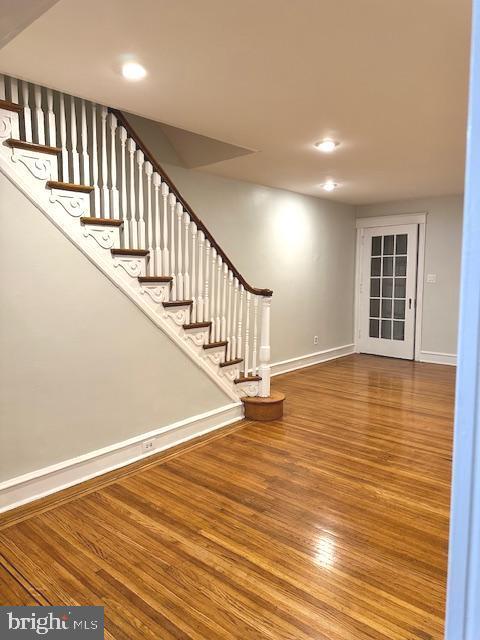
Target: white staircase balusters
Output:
{"points": [[141, 204], [193, 279], [84, 141], [156, 258], [171, 206], [131, 147], [246, 349], [73, 143], [63, 140], [122, 134], [96, 188], [165, 251], [218, 301], [52, 133], [114, 200], [200, 280], [228, 329], [255, 330], [105, 212], [213, 288], [206, 300], [264, 353], [223, 312], [240, 321], [14, 92], [180, 290], [233, 334], [149, 243], [27, 113], [186, 258], [39, 116]]}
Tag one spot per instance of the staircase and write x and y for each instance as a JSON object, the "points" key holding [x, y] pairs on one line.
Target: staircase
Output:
{"points": [[84, 166]]}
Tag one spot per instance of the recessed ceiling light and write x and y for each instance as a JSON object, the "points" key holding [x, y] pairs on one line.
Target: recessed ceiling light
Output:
{"points": [[133, 71], [329, 185], [327, 146]]}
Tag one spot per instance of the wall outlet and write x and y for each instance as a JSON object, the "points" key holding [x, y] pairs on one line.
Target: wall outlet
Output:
{"points": [[431, 278], [148, 445], [315, 339]]}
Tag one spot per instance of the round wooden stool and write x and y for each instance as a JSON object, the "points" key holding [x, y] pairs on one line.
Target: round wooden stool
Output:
{"points": [[264, 409]]}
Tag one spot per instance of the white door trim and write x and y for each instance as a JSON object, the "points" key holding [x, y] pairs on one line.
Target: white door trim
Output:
{"points": [[385, 221]]}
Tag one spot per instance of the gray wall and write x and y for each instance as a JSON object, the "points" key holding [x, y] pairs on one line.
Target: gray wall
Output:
{"points": [[442, 257], [301, 247], [81, 367]]}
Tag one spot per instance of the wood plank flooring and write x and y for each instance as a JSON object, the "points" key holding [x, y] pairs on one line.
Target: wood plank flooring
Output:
{"points": [[331, 523]]}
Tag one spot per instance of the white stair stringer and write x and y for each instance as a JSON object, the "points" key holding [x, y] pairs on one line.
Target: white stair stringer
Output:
{"points": [[64, 209]]}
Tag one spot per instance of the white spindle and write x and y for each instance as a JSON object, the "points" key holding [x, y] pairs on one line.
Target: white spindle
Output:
{"points": [[131, 174], [63, 140], [186, 257], [165, 250], [193, 280], [84, 141], [141, 207], [206, 302], [73, 141], [27, 113], [151, 262], [246, 350], [123, 177], [255, 329], [240, 320], [223, 311], [180, 291], [171, 205], [52, 134], [213, 299], [113, 168], [157, 252], [14, 90], [264, 355], [106, 213], [3, 93], [200, 282], [229, 314], [96, 188], [233, 350], [218, 299], [39, 117]]}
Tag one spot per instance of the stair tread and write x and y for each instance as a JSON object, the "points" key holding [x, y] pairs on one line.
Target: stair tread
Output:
{"points": [[197, 325], [178, 303], [227, 363], [32, 146], [247, 379], [129, 252], [11, 106], [154, 279], [104, 222], [69, 186], [212, 345]]}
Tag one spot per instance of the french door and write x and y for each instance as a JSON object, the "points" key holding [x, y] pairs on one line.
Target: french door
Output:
{"points": [[388, 282]]}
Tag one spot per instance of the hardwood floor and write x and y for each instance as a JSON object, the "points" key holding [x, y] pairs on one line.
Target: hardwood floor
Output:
{"points": [[330, 523]]}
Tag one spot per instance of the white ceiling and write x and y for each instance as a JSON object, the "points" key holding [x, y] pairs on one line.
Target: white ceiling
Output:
{"points": [[387, 78]]}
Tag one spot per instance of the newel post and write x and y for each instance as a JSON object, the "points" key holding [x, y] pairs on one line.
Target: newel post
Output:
{"points": [[264, 354]]}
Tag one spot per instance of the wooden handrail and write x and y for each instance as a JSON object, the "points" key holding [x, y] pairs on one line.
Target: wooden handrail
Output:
{"points": [[121, 118]]}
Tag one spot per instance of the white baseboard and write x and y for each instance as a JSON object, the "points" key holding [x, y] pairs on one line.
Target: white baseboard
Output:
{"points": [[310, 359], [436, 357], [38, 484]]}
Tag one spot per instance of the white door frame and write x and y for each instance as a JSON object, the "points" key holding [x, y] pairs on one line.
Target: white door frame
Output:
{"points": [[390, 221], [463, 593]]}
